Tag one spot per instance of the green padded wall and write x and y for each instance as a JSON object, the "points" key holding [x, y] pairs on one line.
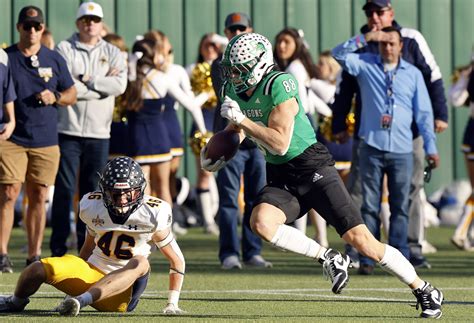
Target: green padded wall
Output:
{"points": [[447, 25], [436, 27]]}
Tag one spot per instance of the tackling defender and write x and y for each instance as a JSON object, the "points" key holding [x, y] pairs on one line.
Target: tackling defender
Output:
{"points": [[264, 105], [112, 269]]}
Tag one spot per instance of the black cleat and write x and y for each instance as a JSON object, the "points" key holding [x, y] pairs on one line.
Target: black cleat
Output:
{"points": [[7, 305], [6, 265], [335, 267], [430, 298]]}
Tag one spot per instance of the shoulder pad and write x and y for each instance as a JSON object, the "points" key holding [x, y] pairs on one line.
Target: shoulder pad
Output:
{"points": [[270, 79]]}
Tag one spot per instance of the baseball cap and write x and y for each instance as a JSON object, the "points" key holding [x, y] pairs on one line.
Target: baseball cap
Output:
{"points": [[237, 19], [30, 14], [89, 9], [380, 4]]}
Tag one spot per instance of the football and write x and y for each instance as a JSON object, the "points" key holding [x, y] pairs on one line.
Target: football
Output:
{"points": [[223, 143]]}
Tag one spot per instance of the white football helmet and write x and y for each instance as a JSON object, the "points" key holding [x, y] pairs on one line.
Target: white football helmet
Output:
{"points": [[247, 59]]}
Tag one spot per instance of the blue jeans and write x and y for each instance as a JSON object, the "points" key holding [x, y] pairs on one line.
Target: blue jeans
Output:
{"points": [[374, 164], [251, 164], [83, 157]]}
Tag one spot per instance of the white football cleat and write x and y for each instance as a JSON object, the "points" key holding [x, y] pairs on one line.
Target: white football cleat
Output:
{"points": [[69, 307]]}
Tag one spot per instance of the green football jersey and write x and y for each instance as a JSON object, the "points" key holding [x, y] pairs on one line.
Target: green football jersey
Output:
{"points": [[275, 88]]}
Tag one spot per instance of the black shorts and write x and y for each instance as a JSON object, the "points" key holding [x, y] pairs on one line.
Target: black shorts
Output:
{"points": [[297, 191]]}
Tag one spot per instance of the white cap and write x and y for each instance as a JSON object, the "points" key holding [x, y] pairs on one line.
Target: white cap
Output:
{"points": [[89, 9]]}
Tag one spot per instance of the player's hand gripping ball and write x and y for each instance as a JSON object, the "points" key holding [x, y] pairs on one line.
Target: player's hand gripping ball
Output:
{"points": [[219, 150]]}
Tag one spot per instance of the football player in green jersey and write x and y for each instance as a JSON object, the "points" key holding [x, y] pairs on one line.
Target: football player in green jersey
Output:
{"points": [[263, 105]]}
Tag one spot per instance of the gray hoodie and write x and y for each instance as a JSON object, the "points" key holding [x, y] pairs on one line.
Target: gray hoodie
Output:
{"points": [[91, 116]]}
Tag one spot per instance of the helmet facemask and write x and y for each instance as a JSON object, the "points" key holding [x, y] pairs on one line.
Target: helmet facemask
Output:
{"points": [[122, 185], [247, 59]]}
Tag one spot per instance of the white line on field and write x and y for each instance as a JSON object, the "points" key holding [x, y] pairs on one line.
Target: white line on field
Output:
{"points": [[287, 290], [300, 292]]}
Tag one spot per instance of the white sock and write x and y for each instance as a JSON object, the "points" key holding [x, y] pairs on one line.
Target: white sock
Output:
{"points": [[321, 229], [85, 299], [214, 194], [291, 239], [462, 228], [397, 265], [385, 216], [301, 223], [205, 201]]}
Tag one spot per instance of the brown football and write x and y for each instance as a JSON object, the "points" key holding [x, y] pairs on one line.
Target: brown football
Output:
{"points": [[223, 143]]}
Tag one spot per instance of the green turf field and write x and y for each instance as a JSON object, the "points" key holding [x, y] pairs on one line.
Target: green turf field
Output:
{"points": [[294, 290]]}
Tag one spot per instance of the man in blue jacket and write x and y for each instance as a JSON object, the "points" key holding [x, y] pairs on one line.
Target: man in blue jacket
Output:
{"points": [[380, 14]]}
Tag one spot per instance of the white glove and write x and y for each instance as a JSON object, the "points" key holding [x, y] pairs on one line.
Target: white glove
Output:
{"points": [[230, 110], [172, 309], [207, 164]]}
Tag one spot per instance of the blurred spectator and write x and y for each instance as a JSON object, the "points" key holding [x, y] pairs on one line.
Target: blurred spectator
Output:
{"points": [[324, 86], [416, 51], [200, 75], [462, 93], [119, 127], [291, 54], [105, 30], [328, 70], [99, 71], [7, 125], [42, 84], [47, 39], [149, 137], [247, 162], [7, 96], [179, 187], [393, 94], [170, 116]]}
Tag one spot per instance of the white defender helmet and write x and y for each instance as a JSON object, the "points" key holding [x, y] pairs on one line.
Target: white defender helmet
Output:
{"points": [[247, 59]]}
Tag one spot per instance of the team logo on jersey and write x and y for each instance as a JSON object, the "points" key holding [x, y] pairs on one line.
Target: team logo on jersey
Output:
{"points": [[103, 60], [46, 73], [317, 177], [257, 101], [98, 222]]}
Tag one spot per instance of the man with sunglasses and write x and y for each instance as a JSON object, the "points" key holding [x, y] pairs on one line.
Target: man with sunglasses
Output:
{"points": [[380, 14], [99, 71], [31, 155], [247, 162]]}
